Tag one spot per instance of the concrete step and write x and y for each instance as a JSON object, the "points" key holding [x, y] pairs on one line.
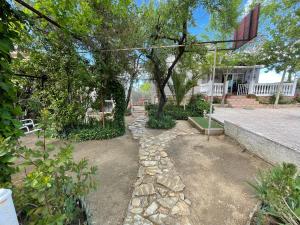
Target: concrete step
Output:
{"points": [[242, 102]]}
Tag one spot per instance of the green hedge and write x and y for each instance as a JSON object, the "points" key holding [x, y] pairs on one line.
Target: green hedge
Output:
{"points": [[165, 122], [195, 108], [92, 131]]}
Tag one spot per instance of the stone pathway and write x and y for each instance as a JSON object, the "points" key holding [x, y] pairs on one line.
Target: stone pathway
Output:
{"points": [[158, 197]]}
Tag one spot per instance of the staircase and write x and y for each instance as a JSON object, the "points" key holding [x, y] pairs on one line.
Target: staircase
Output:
{"points": [[242, 102]]}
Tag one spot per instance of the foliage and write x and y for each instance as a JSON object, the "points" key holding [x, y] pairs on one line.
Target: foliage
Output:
{"points": [[279, 190], [181, 85], [93, 132], [7, 158], [194, 109], [9, 31], [55, 182], [282, 100], [281, 50], [217, 101], [165, 122], [145, 87], [164, 27], [199, 104], [118, 94]]}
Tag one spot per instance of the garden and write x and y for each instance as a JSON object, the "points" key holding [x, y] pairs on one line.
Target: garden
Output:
{"points": [[70, 71]]}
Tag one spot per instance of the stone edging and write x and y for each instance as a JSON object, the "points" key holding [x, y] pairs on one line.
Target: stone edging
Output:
{"points": [[158, 197]]}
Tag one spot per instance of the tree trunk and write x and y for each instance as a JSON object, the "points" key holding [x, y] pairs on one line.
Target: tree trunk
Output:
{"points": [[279, 89], [129, 91], [161, 102], [224, 91]]}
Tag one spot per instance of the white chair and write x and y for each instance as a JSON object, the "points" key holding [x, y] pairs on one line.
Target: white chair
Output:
{"points": [[26, 124]]}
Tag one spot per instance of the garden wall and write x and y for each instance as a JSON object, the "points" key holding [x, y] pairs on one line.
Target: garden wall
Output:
{"points": [[263, 147]]}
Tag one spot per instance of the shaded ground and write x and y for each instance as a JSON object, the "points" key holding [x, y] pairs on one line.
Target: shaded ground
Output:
{"points": [[215, 174], [117, 162], [281, 125]]}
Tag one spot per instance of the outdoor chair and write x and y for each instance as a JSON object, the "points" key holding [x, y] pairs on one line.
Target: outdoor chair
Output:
{"points": [[29, 126]]}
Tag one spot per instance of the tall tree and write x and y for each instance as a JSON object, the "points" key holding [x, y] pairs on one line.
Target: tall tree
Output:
{"points": [[167, 24], [280, 22]]}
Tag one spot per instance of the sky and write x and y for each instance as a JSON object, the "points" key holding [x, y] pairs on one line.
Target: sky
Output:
{"points": [[201, 18]]}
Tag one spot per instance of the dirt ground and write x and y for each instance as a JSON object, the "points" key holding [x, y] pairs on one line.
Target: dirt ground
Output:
{"points": [[117, 162], [215, 174]]}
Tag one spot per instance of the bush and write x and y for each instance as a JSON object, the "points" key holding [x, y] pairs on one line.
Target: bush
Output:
{"points": [[217, 101], [279, 191], [297, 99], [7, 158], [281, 100], [96, 132], [199, 105], [54, 184], [165, 122], [195, 108]]}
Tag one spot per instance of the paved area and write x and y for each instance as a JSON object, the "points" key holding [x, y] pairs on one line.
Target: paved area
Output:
{"points": [[215, 174], [280, 125], [158, 196]]}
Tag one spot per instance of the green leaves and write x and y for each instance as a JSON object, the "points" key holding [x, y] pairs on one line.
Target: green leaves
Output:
{"points": [[279, 190], [53, 184], [7, 159]]}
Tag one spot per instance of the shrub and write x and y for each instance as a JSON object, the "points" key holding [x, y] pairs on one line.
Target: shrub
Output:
{"points": [[281, 100], [7, 158], [196, 107], [297, 99], [199, 106], [217, 101], [51, 190], [165, 122], [279, 191], [96, 132]]}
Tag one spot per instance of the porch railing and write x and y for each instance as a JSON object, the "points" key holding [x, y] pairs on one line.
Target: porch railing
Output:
{"points": [[243, 89], [258, 89], [269, 89], [205, 89]]}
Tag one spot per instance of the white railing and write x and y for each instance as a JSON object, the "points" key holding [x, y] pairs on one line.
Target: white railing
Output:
{"points": [[269, 89], [243, 89], [206, 89]]}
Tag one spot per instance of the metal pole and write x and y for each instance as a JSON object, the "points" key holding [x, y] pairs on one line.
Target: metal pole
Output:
{"points": [[212, 92]]}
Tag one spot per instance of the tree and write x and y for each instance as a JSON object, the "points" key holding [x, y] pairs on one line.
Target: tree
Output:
{"points": [[11, 23], [186, 76], [282, 50], [168, 24]]}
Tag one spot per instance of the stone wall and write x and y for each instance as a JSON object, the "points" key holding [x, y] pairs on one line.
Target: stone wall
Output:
{"points": [[263, 147]]}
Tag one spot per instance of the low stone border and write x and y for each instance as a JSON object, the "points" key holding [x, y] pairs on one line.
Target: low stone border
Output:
{"points": [[158, 196], [262, 146]]}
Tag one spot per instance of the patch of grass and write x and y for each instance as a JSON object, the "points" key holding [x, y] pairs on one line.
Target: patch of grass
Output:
{"points": [[203, 122]]}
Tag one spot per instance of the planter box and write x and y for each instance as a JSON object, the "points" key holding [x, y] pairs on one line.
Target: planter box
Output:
{"points": [[213, 130]]}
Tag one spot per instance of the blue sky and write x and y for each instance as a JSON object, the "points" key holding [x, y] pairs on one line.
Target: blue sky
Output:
{"points": [[201, 18]]}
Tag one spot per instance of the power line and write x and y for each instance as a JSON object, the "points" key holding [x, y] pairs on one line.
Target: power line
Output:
{"points": [[47, 18]]}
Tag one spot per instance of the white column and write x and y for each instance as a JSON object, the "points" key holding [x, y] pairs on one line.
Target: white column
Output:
{"points": [[252, 82], [294, 86]]}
